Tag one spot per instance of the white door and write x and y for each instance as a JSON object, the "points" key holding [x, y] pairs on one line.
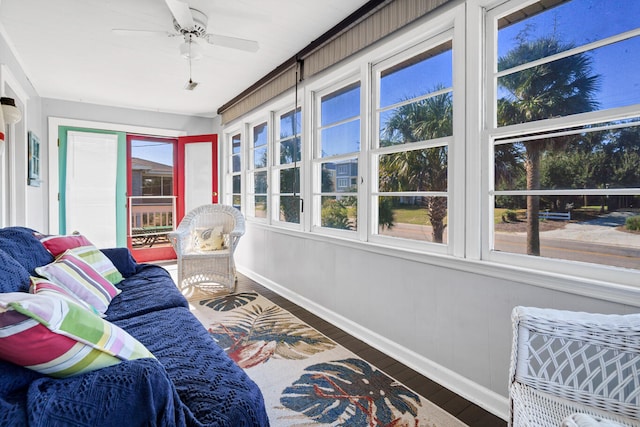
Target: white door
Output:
{"points": [[198, 174], [92, 160]]}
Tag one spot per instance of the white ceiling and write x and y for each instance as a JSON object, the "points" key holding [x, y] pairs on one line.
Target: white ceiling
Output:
{"points": [[68, 49]]}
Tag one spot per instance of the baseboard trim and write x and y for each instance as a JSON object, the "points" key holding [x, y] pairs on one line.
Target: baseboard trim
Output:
{"points": [[479, 395]]}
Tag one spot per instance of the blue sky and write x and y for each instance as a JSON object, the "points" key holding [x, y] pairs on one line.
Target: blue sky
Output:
{"points": [[583, 21]]}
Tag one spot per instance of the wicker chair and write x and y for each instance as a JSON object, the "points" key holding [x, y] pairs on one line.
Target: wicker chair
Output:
{"points": [[567, 363], [211, 270]]}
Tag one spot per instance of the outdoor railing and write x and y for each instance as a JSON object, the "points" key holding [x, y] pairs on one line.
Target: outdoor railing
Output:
{"points": [[150, 219]]}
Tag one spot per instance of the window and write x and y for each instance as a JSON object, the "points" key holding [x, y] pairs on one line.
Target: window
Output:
{"points": [[337, 147], [414, 116], [235, 170], [258, 159], [286, 172], [564, 145]]}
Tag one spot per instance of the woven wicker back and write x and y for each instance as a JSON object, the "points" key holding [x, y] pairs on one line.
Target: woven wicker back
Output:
{"points": [[212, 216], [566, 362]]}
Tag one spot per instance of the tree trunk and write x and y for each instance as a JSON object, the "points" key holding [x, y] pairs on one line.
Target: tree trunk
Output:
{"points": [[437, 208], [532, 165]]}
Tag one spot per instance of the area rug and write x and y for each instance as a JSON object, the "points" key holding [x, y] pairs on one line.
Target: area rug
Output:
{"points": [[306, 378]]}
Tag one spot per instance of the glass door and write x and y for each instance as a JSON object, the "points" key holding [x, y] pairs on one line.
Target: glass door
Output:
{"points": [[151, 196]]}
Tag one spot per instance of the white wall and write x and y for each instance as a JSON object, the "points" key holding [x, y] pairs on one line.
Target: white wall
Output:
{"points": [[448, 319], [20, 204]]}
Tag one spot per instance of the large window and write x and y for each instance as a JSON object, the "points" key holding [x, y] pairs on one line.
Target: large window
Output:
{"points": [[565, 144], [259, 161], [414, 116], [286, 171], [336, 151], [503, 132]]}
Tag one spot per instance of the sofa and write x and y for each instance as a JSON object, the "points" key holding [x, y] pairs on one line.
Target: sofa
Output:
{"points": [[184, 379]]}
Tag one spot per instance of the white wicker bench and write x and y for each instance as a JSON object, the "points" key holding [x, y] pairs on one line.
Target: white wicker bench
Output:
{"points": [[565, 363]]}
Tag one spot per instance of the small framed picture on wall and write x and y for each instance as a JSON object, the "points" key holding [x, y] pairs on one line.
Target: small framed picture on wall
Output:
{"points": [[34, 160]]}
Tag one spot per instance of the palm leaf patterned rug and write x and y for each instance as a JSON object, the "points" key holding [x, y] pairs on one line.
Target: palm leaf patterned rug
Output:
{"points": [[306, 378]]}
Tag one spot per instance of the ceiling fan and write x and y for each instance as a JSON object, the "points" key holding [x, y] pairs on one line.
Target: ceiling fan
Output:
{"points": [[191, 24]]}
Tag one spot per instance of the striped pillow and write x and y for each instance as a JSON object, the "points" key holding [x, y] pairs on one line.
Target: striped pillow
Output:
{"points": [[81, 279], [99, 261], [59, 244], [59, 338], [42, 286], [82, 247]]}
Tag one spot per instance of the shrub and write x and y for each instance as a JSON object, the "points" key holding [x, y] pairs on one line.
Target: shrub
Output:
{"points": [[633, 223], [509, 216]]}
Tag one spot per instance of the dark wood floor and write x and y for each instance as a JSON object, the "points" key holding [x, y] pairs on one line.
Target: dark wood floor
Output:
{"points": [[464, 410]]}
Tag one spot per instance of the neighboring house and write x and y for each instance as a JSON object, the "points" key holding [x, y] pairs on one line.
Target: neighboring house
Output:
{"points": [[150, 179]]}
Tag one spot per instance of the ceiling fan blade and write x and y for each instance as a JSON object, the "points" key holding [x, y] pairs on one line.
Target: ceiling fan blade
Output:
{"points": [[233, 42], [149, 33], [181, 13]]}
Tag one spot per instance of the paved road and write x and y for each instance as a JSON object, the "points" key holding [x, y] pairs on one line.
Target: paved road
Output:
{"points": [[596, 241]]}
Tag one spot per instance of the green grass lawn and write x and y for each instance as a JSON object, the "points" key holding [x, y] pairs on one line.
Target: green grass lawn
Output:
{"points": [[410, 215]]}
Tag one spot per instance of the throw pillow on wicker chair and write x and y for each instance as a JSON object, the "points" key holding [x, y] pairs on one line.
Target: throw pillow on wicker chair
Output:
{"points": [[208, 239]]}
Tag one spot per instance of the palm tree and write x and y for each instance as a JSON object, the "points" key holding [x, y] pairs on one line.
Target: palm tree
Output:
{"points": [[555, 89], [423, 169]]}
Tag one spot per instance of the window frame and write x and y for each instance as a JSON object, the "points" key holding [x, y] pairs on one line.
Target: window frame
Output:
{"points": [[228, 154], [493, 133], [276, 167], [252, 170], [316, 159], [430, 42]]}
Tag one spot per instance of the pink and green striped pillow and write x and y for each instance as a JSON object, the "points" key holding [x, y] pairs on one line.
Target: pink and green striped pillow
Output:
{"points": [[80, 278], [42, 286], [82, 247], [99, 261], [57, 337]]}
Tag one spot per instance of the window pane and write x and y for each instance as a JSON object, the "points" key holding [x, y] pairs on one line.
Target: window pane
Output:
{"points": [[419, 121], [594, 160], [594, 80], [237, 201], [260, 182], [576, 21], [416, 170], [565, 221], [340, 105], [339, 212], [235, 144], [340, 177], [288, 126], [290, 209], [290, 150], [341, 139], [290, 180], [237, 179], [419, 76], [236, 163], [261, 206], [260, 135], [260, 157], [415, 218]]}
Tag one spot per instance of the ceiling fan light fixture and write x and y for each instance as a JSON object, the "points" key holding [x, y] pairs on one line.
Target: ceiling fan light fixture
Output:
{"points": [[190, 49]]}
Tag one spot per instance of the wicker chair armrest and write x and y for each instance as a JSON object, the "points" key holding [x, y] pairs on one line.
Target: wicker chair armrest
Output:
{"points": [[180, 240]]}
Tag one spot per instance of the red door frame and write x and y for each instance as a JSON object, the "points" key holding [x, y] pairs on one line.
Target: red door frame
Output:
{"points": [[182, 141]]}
